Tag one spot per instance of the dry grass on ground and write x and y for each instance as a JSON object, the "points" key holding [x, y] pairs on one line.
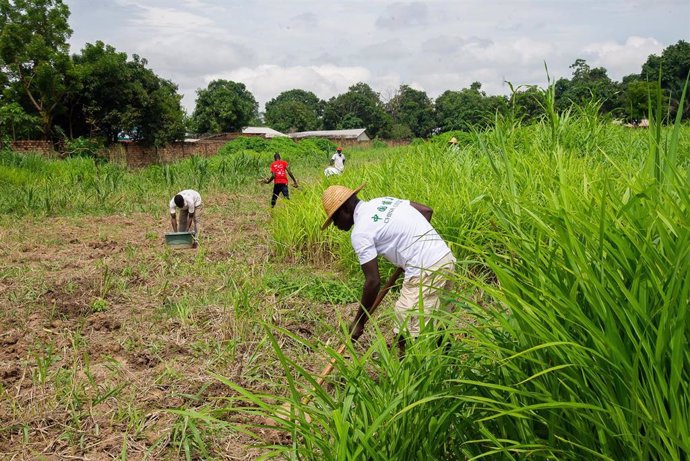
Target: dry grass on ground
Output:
{"points": [[102, 328]]}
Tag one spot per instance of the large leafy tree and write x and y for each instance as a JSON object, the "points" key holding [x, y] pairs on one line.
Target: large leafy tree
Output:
{"points": [[414, 109], [587, 84], [527, 103], [674, 64], [34, 54], [634, 98], [466, 109], [112, 94], [102, 102], [4, 82], [223, 106], [16, 123], [294, 110], [359, 107], [157, 118]]}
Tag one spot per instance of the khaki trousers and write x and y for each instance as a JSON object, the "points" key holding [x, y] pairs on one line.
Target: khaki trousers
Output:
{"points": [[183, 218], [419, 296]]}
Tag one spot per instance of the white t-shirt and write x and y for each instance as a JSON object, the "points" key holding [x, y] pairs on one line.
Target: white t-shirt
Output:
{"points": [[393, 228], [338, 161], [192, 200]]}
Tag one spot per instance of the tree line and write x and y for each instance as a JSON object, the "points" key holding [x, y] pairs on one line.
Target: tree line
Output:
{"points": [[101, 93]]}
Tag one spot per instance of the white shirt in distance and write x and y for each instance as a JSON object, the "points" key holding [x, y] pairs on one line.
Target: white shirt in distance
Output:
{"points": [[192, 200]]}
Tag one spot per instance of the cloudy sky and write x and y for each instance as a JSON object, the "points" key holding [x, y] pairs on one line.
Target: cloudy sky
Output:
{"points": [[325, 46]]}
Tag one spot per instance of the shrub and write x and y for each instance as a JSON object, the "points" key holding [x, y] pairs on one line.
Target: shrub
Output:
{"points": [[84, 147]]}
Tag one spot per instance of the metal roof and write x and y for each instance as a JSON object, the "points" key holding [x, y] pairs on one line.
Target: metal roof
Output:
{"points": [[266, 131], [344, 134]]}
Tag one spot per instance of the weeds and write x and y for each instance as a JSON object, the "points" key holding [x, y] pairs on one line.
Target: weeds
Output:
{"points": [[44, 358], [576, 349], [568, 340]]}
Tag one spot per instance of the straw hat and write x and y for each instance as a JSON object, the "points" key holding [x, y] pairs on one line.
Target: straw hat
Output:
{"points": [[333, 198], [453, 140]]}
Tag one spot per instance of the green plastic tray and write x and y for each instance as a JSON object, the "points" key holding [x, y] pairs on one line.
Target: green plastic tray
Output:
{"points": [[179, 239]]}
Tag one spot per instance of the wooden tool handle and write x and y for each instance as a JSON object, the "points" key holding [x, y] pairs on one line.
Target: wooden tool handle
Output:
{"points": [[382, 294], [389, 284], [328, 368]]}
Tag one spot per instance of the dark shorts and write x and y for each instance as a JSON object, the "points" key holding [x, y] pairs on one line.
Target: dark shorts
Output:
{"points": [[279, 189]]}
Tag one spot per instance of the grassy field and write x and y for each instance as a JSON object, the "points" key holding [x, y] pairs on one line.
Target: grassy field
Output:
{"points": [[104, 330], [568, 338]]}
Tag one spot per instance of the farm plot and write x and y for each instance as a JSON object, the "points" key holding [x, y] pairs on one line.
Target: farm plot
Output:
{"points": [[571, 236], [103, 329]]}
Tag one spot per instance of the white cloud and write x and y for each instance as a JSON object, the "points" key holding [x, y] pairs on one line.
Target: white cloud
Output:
{"points": [[170, 20], [267, 81], [392, 50], [622, 59], [324, 47], [198, 55], [403, 15], [308, 19], [445, 45]]}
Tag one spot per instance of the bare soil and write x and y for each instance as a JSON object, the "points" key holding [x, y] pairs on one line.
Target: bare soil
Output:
{"points": [[103, 329]]}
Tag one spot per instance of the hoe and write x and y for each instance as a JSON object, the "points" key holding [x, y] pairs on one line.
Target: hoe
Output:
{"points": [[285, 410]]}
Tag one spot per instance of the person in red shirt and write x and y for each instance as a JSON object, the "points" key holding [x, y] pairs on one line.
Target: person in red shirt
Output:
{"points": [[279, 175]]}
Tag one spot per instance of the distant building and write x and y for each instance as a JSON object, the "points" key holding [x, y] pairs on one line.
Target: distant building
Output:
{"points": [[353, 135], [263, 131], [219, 137]]}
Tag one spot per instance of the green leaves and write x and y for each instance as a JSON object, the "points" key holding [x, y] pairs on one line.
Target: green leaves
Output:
{"points": [[360, 106], [294, 110], [223, 106], [414, 109], [34, 50], [574, 272]]}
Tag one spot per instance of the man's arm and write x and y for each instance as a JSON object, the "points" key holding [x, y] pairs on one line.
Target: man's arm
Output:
{"points": [[190, 219], [372, 284], [269, 179], [423, 209], [292, 176], [173, 221]]}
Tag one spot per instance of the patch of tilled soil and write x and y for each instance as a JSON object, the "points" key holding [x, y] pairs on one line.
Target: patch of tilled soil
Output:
{"points": [[149, 364]]}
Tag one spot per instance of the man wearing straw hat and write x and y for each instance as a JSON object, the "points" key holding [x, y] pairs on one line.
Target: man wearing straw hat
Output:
{"points": [[401, 231], [453, 144]]}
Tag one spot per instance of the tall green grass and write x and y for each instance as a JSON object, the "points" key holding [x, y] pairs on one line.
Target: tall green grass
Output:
{"points": [[498, 165], [575, 348], [40, 186]]}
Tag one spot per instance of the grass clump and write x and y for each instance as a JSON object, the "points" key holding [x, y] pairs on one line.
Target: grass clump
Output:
{"points": [[575, 344]]}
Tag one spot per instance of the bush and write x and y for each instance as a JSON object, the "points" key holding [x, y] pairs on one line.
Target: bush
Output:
{"points": [[244, 143], [464, 138], [318, 144], [378, 144], [285, 146], [84, 147]]}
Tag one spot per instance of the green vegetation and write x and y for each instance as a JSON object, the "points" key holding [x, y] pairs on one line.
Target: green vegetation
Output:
{"points": [[45, 92], [294, 110], [96, 92], [492, 168], [223, 106], [567, 337], [571, 328], [359, 107], [36, 185]]}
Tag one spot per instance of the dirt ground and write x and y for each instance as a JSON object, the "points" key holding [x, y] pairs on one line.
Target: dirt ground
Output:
{"points": [[103, 329]]}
